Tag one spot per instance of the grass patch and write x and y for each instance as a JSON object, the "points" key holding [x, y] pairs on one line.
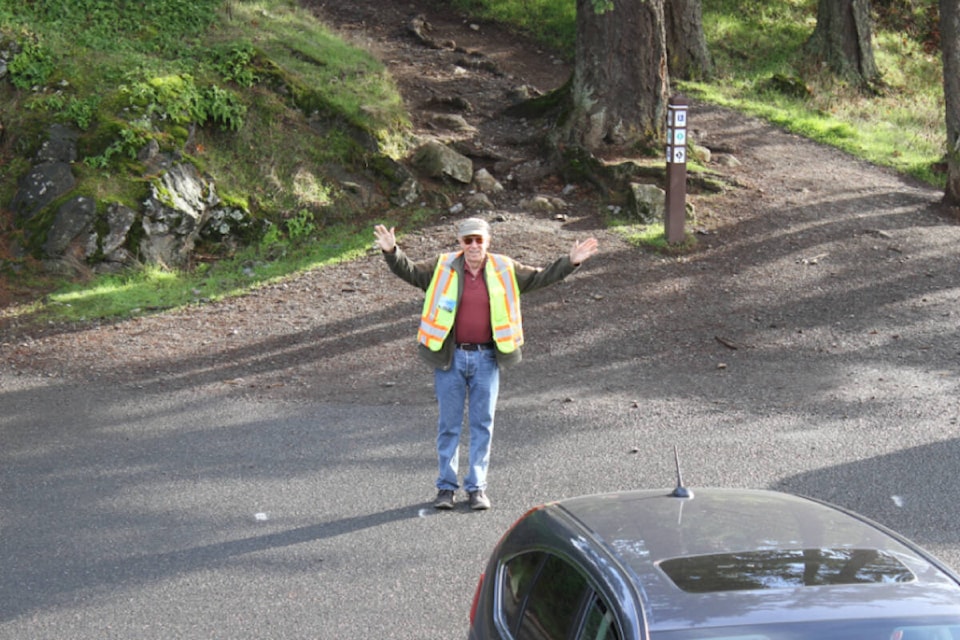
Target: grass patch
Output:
{"points": [[151, 289], [552, 22], [903, 127], [265, 73], [751, 43], [652, 237], [277, 97]]}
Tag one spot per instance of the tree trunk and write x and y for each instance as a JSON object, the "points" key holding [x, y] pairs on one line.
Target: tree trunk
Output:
{"points": [[620, 82], [687, 50], [950, 39], [842, 40]]}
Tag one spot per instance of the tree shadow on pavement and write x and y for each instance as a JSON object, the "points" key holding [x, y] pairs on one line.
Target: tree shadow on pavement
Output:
{"points": [[911, 490]]}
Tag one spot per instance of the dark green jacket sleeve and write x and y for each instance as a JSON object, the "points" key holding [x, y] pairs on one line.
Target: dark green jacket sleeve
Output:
{"points": [[533, 278], [418, 274]]}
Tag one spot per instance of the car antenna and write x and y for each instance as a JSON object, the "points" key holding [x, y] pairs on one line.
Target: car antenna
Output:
{"points": [[680, 491]]}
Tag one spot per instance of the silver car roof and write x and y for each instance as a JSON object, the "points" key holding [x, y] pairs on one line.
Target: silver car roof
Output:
{"points": [[645, 528]]}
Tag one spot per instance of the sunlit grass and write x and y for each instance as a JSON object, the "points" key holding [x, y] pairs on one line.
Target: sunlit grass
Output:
{"points": [[151, 288], [348, 80], [552, 22], [148, 288], [903, 127], [650, 236], [311, 83]]}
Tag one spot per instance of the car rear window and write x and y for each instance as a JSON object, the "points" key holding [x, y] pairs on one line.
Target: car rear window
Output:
{"points": [[553, 601], [544, 597], [779, 569]]}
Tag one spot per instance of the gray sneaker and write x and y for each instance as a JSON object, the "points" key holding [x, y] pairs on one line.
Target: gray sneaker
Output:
{"points": [[444, 499], [479, 500]]}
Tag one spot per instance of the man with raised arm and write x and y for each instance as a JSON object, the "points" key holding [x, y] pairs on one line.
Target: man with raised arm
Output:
{"points": [[471, 326]]}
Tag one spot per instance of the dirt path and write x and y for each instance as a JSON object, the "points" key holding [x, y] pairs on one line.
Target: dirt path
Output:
{"points": [[819, 260]]}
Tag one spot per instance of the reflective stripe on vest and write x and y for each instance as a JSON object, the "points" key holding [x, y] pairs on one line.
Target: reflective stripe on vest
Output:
{"points": [[440, 303], [505, 318]]}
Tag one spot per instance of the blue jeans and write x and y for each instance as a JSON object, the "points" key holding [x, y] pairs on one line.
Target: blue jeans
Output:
{"points": [[474, 380]]}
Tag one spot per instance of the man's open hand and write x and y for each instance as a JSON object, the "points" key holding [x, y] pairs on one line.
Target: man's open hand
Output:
{"points": [[386, 239], [583, 250]]}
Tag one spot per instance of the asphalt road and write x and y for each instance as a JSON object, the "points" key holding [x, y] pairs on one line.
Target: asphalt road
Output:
{"points": [[191, 517]]}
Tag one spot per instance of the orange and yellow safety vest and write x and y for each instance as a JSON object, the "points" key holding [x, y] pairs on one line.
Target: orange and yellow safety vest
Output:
{"points": [[440, 304]]}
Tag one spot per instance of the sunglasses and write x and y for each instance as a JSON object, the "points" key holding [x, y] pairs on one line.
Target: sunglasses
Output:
{"points": [[472, 240]]}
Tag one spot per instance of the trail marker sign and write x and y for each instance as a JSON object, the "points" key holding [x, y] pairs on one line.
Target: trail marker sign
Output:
{"points": [[675, 209]]}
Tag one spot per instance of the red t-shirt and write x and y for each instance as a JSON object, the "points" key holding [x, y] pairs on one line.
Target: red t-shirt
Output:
{"points": [[473, 312]]}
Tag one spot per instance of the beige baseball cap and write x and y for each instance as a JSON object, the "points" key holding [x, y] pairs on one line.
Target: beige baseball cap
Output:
{"points": [[473, 227]]}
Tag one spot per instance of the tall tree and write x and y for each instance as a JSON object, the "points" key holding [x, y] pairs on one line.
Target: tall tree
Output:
{"points": [[620, 81], [842, 40], [687, 50], [950, 39]]}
